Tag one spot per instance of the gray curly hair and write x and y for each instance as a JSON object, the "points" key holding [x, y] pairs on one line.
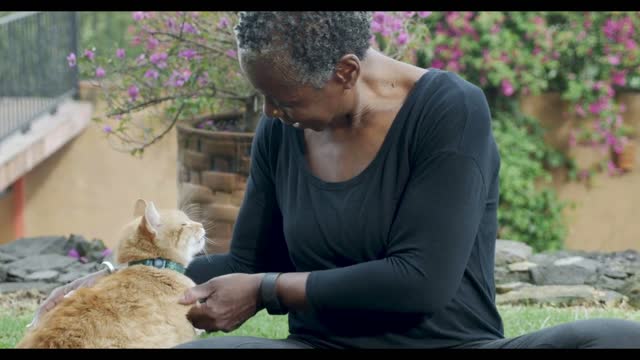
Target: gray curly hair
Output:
{"points": [[311, 42]]}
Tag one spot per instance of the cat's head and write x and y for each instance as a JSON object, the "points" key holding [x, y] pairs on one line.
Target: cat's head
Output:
{"points": [[154, 233]]}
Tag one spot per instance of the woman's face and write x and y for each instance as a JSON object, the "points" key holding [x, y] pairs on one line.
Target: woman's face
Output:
{"points": [[292, 103]]}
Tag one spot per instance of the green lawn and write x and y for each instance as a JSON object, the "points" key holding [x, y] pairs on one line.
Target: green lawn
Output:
{"points": [[517, 320]]}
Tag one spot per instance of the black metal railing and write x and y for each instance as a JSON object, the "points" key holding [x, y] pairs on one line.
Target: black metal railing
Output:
{"points": [[34, 74]]}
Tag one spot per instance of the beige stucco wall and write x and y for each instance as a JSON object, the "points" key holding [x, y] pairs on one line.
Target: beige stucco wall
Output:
{"points": [[88, 188], [605, 216]]}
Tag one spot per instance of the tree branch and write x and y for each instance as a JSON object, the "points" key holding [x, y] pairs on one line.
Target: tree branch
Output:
{"points": [[188, 41], [165, 132]]}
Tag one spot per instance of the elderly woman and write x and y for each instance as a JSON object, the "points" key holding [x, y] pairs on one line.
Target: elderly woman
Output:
{"points": [[370, 214]]}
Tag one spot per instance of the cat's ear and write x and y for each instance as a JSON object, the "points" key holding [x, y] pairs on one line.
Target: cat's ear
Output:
{"points": [[139, 208], [150, 220]]}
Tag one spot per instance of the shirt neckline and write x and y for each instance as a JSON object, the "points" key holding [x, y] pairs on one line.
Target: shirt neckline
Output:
{"points": [[384, 148]]}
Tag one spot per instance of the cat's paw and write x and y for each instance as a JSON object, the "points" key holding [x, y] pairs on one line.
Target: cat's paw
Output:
{"points": [[199, 332]]}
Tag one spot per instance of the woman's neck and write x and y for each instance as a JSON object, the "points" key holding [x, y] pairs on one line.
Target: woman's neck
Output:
{"points": [[383, 86]]}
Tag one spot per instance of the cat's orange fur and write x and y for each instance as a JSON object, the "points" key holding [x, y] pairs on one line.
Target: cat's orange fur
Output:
{"points": [[136, 307]]}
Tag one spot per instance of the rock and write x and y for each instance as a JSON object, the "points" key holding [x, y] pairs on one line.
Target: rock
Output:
{"points": [[631, 255], [521, 266], [3, 274], [548, 258], [89, 267], [631, 289], [579, 261], [45, 275], [78, 270], [632, 268], [35, 246], [16, 275], [92, 250], [509, 251], [605, 282], [575, 270], [543, 258], [505, 288], [615, 271], [42, 262], [18, 286], [6, 258], [561, 295], [503, 276], [70, 276]]}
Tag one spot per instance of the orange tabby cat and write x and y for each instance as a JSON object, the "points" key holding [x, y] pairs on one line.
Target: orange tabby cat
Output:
{"points": [[135, 307]]}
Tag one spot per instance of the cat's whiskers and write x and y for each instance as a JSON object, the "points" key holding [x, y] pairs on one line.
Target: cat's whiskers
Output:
{"points": [[193, 211], [210, 242]]}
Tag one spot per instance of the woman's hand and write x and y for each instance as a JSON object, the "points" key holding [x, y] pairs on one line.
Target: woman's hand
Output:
{"points": [[223, 303]]}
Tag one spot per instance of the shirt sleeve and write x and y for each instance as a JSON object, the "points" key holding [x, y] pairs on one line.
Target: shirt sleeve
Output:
{"points": [[257, 243], [434, 228]]}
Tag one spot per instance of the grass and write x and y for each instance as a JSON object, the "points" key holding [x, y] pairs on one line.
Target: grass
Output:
{"points": [[517, 320], [12, 327]]}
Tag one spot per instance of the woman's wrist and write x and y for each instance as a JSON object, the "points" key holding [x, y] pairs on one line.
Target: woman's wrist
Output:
{"points": [[268, 296]]}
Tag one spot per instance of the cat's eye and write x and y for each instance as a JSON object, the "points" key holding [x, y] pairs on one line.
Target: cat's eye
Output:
{"points": [[184, 224]]}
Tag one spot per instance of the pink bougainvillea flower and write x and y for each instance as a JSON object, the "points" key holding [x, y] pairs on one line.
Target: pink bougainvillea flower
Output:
{"points": [[152, 43], [188, 54], [379, 17], [619, 77], [151, 74], [223, 23], [89, 54], [71, 59], [507, 87], [73, 253], [614, 59], [402, 38], [133, 92]]}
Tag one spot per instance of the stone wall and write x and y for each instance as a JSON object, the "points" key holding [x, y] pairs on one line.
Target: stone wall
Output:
{"points": [[43, 263], [522, 277], [566, 277]]}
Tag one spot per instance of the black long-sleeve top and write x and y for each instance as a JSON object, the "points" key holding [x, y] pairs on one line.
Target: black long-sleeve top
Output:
{"points": [[401, 255]]}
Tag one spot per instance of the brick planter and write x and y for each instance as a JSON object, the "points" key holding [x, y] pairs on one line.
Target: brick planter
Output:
{"points": [[212, 170]]}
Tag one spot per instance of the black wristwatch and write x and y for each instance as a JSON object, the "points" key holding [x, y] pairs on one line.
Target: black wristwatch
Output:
{"points": [[269, 296]]}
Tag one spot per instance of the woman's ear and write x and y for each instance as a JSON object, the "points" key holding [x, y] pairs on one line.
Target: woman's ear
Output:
{"points": [[348, 71]]}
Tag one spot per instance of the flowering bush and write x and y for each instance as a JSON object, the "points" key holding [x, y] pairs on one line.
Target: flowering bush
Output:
{"points": [[587, 57], [185, 65], [601, 56], [527, 213], [86, 251]]}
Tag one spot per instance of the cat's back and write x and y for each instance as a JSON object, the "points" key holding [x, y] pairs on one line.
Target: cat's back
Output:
{"points": [[134, 307]]}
